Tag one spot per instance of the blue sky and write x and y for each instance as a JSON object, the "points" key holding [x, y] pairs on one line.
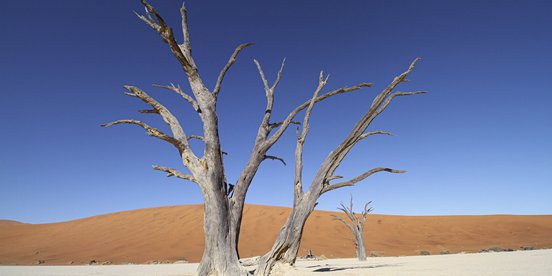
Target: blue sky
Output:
{"points": [[479, 143]]}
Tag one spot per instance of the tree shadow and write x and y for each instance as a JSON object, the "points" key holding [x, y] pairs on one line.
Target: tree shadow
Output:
{"points": [[338, 268]]}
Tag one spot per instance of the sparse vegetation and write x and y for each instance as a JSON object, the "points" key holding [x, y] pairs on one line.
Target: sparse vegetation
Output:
{"points": [[425, 253], [376, 254], [444, 252], [496, 249], [527, 248]]}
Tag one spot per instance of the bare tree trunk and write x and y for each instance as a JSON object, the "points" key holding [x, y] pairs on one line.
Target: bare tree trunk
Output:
{"points": [[265, 140], [219, 255], [360, 247], [223, 209], [284, 250], [356, 226]]}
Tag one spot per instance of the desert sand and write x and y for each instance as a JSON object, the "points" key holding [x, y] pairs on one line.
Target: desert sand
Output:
{"points": [[168, 234], [527, 263]]}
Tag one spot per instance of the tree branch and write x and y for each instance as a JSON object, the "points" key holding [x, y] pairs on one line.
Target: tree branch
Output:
{"points": [[298, 178], [334, 159], [185, 33], [374, 133], [174, 172], [230, 62], [361, 177], [167, 116], [261, 73], [183, 55], [148, 111], [349, 212], [364, 213], [196, 137], [335, 217], [272, 126], [151, 132], [397, 94], [179, 91], [271, 157], [298, 109], [269, 92], [396, 81], [333, 177]]}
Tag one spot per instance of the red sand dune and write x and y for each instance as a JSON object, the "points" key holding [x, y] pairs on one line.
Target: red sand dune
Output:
{"points": [[176, 233]]}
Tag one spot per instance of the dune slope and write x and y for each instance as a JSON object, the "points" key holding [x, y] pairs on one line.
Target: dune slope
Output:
{"points": [[176, 233]]}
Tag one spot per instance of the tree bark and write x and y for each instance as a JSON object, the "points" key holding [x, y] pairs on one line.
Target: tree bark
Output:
{"points": [[360, 246], [265, 140], [356, 226], [223, 211], [284, 250], [219, 255]]}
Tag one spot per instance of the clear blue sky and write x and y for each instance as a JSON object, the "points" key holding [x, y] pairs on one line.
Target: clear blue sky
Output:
{"points": [[479, 143]]}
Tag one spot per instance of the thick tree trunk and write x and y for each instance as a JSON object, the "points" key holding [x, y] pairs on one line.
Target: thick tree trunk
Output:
{"points": [[219, 255], [285, 249], [237, 202], [360, 247]]}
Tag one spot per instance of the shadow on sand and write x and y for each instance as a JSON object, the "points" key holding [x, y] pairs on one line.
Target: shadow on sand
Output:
{"points": [[339, 268]]}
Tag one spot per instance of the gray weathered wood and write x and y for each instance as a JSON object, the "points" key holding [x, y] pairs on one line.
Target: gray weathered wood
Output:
{"points": [[224, 210], [284, 249], [356, 225], [220, 256]]}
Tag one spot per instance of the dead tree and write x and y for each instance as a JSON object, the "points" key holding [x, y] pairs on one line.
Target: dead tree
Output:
{"points": [[356, 225], [223, 213], [284, 250]]}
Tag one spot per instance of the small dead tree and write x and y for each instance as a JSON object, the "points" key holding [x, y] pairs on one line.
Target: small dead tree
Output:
{"points": [[284, 250], [356, 225], [223, 202]]}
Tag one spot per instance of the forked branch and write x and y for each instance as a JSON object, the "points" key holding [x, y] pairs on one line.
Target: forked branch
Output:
{"points": [[335, 217], [379, 104], [179, 91], [168, 117], [181, 52], [299, 108], [264, 127], [298, 178], [397, 94]]}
